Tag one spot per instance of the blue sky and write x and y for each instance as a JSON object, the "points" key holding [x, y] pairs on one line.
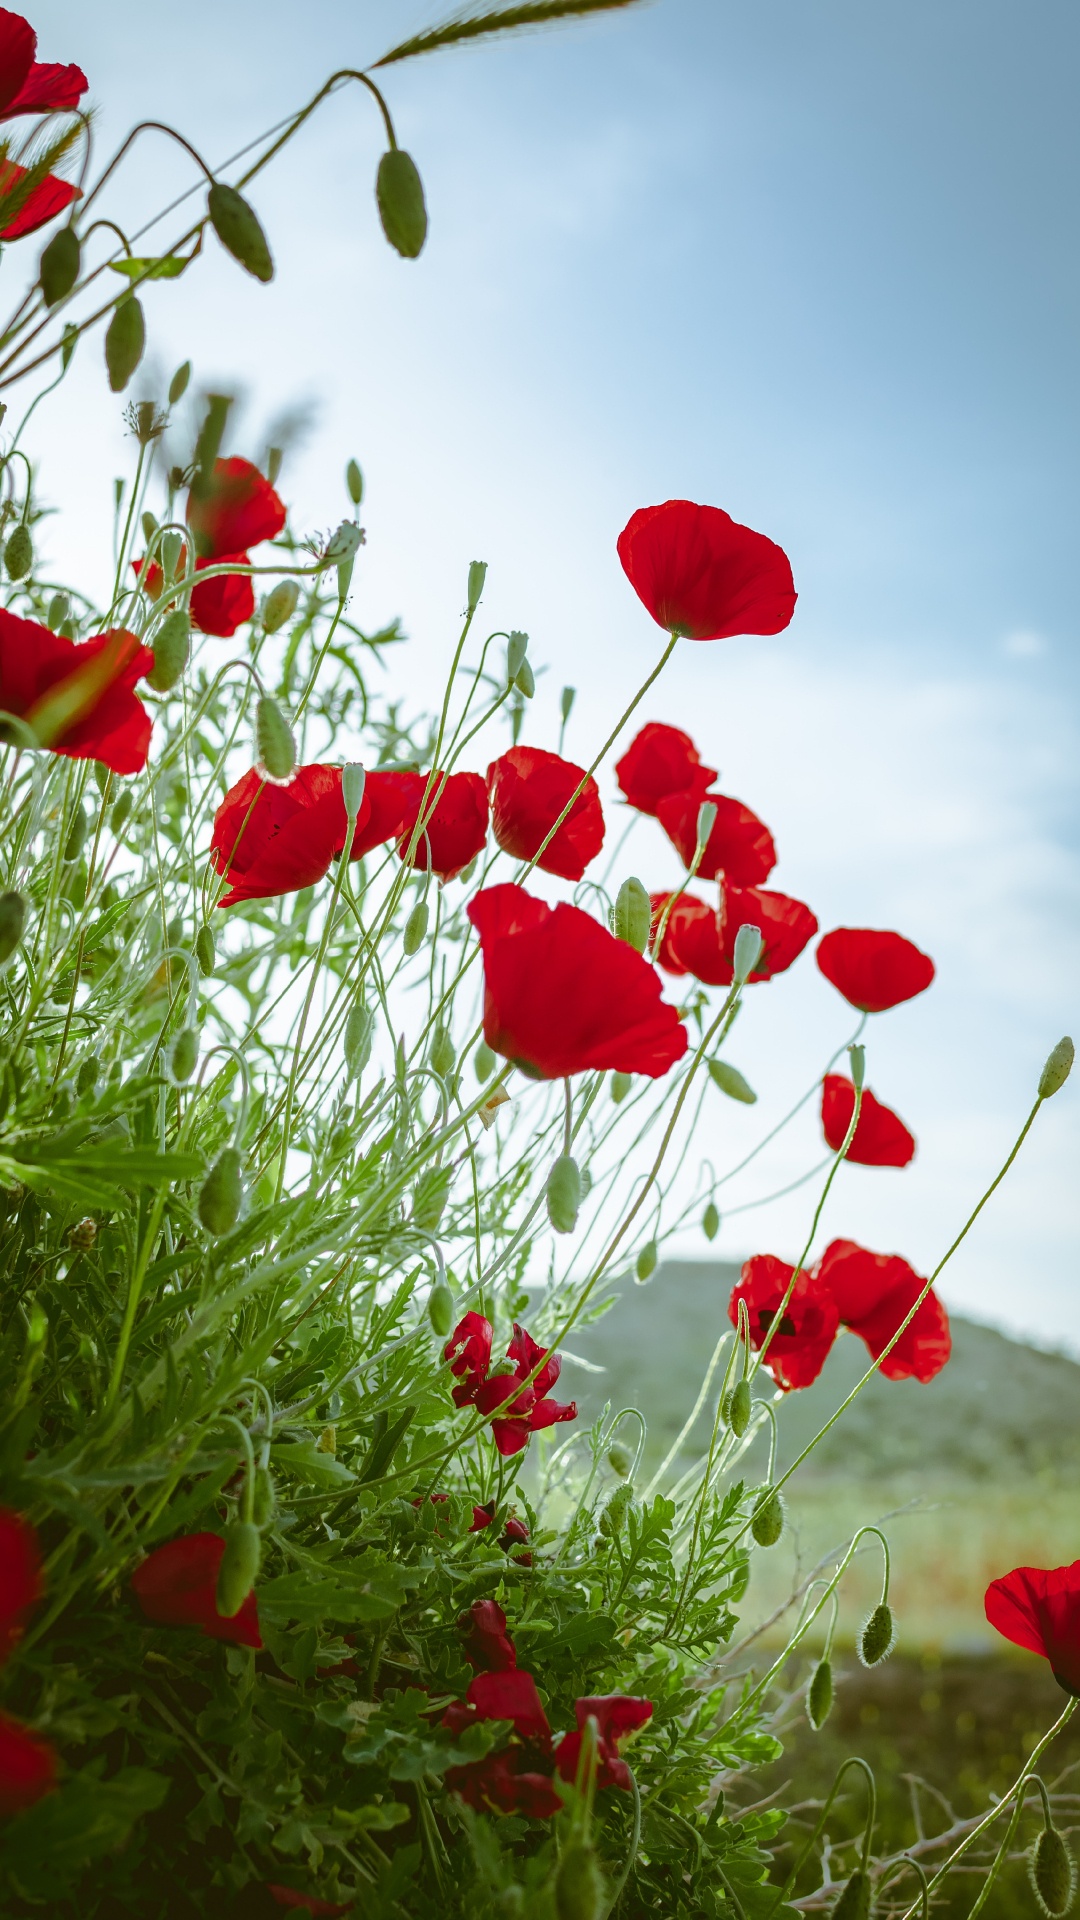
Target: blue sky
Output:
{"points": [[812, 261]]}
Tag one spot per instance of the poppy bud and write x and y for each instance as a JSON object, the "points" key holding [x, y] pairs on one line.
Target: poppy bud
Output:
{"points": [[579, 1887], [645, 1266], [57, 614], [274, 458], [205, 951], [730, 1081], [87, 1077], [878, 1636], [354, 481], [483, 1062], [737, 1410], [359, 1029], [706, 821], [149, 527], [83, 1234], [612, 1519], [76, 838], [237, 227], [415, 928], [172, 547], [353, 782], [280, 605], [819, 1695], [620, 1086], [124, 342], [12, 922], [221, 1193], [1057, 1069], [178, 385], [854, 1901], [121, 807], [430, 1195], [516, 648], [710, 1221], [857, 1058], [564, 1193], [60, 265], [767, 1523], [477, 576], [172, 645], [185, 1052], [632, 920], [1053, 1873], [239, 1566], [399, 193], [441, 1053], [440, 1307], [526, 680], [620, 1459], [19, 552], [264, 1504], [275, 747], [747, 953], [566, 703]]}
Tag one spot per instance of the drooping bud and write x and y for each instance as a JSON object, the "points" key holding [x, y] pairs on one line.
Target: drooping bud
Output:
{"points": [[60, 265], [178, 385], [857, 1060], [12, 923], [172, 547], [1053, 1873], [205, 951], [566, 703], [730, 1081], [415, 928], [440, 1307], [441, 1053], [185, 1052], [279, 605], [620, 1459], [579, 1886], [76, 837], [222, 1193], [1057, 1069], [124, 342], [526, 680], [878, 1636], [172, 647], [737, 1411], [612, 1519], [275, 748], [19, 552], [710, 1220], [359, 1031], [819, 1695], [237, 227], [706, 821], [354, 481], [645, 1264], [516, 649], [483, 1062], [353, 782], [620, 1087], [239, 1567], [477, 576], [632, 920], [399, 193], [767, 1523], [564, 1193], [854, 1901], [748, 949]]}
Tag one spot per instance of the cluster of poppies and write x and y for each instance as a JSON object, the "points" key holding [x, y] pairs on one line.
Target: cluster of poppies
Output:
{"points": [[871, 1294], [520, 1387], [519, 1777], [27, 1763], [30, 86]]}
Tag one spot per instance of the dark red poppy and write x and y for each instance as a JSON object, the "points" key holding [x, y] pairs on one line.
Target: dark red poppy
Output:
{"points": [[800, 1346], [512, 1696], [20, 1576], [270, 840], [221, 605], [881, 1138], [661, 761], [506, 1782], [526, 1411], [874, 970], [234, 510], [617, 1715], [701, 574], [528, 789], [488, 1646], [176, 1586], [468, 1354], [528, 1358], [740, 845], [1039, 1608], [27, 1766], [514, 1534], [562, 995], [307, 1902], [455, 829], [77, 696], [786, 926], [874, 1293], [528, 1408], [28, 85], [42, 204]]}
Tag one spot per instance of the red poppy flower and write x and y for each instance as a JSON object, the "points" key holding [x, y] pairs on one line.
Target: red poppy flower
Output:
{"points": [[270, 840], [307, 1902], [661, 761], [455, 831], [526, 1412], [874, 970], [43, 202], [528, 790], [703, 575], [176, 1586], [468, 1354], [488, 1646], [691, 939], [528, 1409], [616, 1716], [874, 1293], [740, 845], [799, 1348], [77, 696], [786, 926], [27, 1766], [505, 1783], [526, 1356], [151, 578], [562, 995], [881, 1138], [221, 605], [510, 1696], [1039, 1608], [236, 510], [28, 85], [20, 1576], [514, 1534]]}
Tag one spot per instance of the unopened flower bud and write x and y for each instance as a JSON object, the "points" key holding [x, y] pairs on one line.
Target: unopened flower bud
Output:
{"points": [[275, 748], [477, 576], [210, 437], [440, 1307], [327, 1441], [632, 919], [645, 1265], [526, 680], [612, 1519], [730, 1081], [857, 1059], [19, 552], [59, 268], [178, 385], [353, 782], [87, 1077], [354, 481], [58, 611], [441, 1052], [221, 1193], [1053, 1873], [878, 1636], [706, 821], [149, 527], [620, 1087], [710, 1220], [516, 648], [737, 1410], [483, 1062], [239, 1567], [172, 547], [205, 951], [620, 1459], [767, 1523], [399, 195], [579, 1886], [748, 950], [279, 605], [1057, 1069], [359, 1031], [416, 928], [124, 342], [819, 1695], [566, 703], [185, 1052], [172, 646], [854, 1901], [76, 836], [274, 458], [265, 1502], [237, 227], [564, 1193]]}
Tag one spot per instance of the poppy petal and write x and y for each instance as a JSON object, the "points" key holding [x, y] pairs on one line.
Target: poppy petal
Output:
{"points": [[661, 761], [42, 204], [880, 1139], [236, 509], [800, 1346], [701, 574], [528, 789], [27, 1766], [1039, 1608], [740, 845], [872, 968]]}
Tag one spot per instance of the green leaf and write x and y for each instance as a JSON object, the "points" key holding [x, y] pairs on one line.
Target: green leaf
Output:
{"points": [[303, 1459], [348, 1597], [168, 267], [46, 1848]]}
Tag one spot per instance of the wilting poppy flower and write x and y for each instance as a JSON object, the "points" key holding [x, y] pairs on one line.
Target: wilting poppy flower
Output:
{"points": [[661, 761], [528, 789], [299, 1902], [78, 697], [562, 995], [220, 605], [270, 840], [176, 1586], [616, 1716], [27, 1766], [455, 828], [874, 970], [785, 925], [800, 1346], [28, 85], [701, 574], [1039, 1608], [488, 1646], [234, 510], [20, 1576], [880, 1139], [874, 1293], [740, 845]]}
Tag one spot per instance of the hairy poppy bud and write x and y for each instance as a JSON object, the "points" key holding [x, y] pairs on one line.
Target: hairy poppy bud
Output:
{"points": [[149, 527], [620, 1459], [612, 1519], [516, 648], [878, 1636], [58, 611], [566, 703], [19, 552], [483, 1062], [632, 919], [76, 837], [645, 1265], [239, 1567], [854, 1901], [525, 681], [353, 782], [441, 1053], [359, 1029], [579, 1885], [430, 1195], [172, 547], [730, 1081], [205, 951], [221, 1193], [857, 1058], [60, 265], [477, 576], [275, 748], [1053, 1873], [399, 193], [564, 1193], [172, 646], [767, 1523], [87, 1077], [415, 928], [124, 342], [178, 385], [748, 947], [12, 922], [440, 1307], [620, 1086], [237, 227], [185, 1052], [737, 1410], [706, 821], [710, 1220], [1057, 1069], [819, 1695], [265, 1501], [354, 481], [279, 605]]}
